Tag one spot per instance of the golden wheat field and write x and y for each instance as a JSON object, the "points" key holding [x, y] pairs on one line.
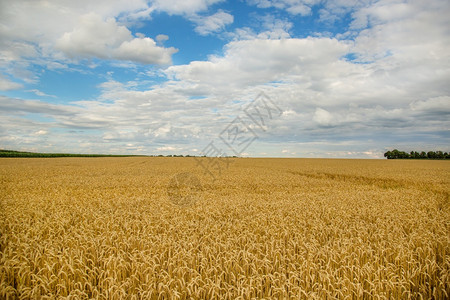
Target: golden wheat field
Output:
{"points": [[111, 228]]}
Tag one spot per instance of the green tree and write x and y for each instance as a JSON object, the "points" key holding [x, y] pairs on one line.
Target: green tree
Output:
{"points": [[403, 155], [395, 154], [388, 154], [431, 154]]}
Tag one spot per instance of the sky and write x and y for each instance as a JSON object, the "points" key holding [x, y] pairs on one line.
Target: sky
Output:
{"points": [[261, 78]]}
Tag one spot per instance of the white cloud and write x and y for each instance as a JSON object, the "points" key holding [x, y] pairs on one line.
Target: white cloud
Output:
{"points": [[394, 93], [19, 17], [382, 12], [334, 10], [295, 7], [265, 27], [95, 37], [180, 7], [245, 64], [8, 105], [40, 93], [323, 117], [167, 148], [7, 85], [144, 50], [275, 28], [79, 29], [49, 33], [435, 106], [213, 23], [161, 38], [41, 132]]}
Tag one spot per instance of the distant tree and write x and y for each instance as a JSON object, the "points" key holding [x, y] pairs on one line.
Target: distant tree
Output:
{"points": [[396, 154], [414, 155], [388, 154], [431, 154], [403, 155]]}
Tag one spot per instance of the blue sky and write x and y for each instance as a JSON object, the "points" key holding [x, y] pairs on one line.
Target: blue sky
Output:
{"points": [[350, 78]]}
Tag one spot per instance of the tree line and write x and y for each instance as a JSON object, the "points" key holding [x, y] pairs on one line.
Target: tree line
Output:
{"points": [[396, 154], [13, 153]]}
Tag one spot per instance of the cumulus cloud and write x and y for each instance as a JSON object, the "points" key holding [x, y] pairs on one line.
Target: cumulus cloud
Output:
{"points": [[144, 50], [213, 23], [95, 37], [84, 28], [180, 7], [268, 27], [161, 38], [334, 10], [323, 117], [384, 82], [51, 34], [295, 7], [245, 64], [23, 26], [397, 81]]}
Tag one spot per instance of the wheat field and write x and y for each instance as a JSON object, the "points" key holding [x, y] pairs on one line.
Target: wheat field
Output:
{"points": [[111, 228]]}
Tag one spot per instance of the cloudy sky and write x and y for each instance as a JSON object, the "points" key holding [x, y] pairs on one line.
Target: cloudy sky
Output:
{"points": [[348, 78]]}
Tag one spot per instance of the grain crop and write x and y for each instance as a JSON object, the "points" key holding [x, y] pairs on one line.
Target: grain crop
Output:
{"points": [[106, 228]]}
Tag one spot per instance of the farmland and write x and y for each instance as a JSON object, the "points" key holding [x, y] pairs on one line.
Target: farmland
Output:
{"points": [[110, 228]]}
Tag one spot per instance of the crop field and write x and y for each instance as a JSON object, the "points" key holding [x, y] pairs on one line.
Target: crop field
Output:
{"points": [[129, 228]]}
